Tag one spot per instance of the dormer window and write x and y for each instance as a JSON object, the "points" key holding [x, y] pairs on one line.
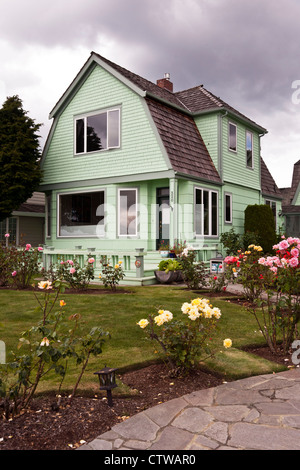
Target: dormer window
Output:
{"points": [[95, 132], [232, 137]]}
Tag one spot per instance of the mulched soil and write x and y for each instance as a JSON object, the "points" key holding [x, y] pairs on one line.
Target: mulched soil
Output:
{"points": [[43, 427]]}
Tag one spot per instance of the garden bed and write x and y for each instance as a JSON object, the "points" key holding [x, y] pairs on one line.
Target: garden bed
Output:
{"points": [[43, 427]]}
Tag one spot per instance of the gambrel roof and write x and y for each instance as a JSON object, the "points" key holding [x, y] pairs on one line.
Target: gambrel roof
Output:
{"points": [[173, 115]]}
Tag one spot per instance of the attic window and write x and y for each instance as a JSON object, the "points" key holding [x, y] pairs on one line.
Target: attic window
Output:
{"points": [[96, 132]]}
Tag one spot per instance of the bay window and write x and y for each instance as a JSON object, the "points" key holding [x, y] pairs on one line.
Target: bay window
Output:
{"points": [[81, 214]]}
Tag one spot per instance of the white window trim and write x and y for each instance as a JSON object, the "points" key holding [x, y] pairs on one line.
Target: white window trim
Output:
{"points": [[95, 113], [68, 193], [210, 191], [122, 235], [234, 125], [231, 214], [252, 161]]}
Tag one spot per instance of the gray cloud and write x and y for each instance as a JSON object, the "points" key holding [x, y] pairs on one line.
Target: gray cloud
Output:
{"points": [[245, 52]]}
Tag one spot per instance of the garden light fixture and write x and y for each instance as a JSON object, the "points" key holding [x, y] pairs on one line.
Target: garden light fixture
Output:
{"points": [[107, 379]]}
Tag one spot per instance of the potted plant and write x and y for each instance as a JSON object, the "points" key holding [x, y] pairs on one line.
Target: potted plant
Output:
{"points": [[168, 271], [164, 249]]}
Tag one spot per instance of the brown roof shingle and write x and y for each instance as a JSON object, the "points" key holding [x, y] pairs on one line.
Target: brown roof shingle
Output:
{"points": [[268, 185], [183, 142]]}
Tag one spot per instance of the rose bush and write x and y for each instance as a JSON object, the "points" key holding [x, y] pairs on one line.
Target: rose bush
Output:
{"points": [[184, 340], [111, 275], [49, 346], [273, 285]]}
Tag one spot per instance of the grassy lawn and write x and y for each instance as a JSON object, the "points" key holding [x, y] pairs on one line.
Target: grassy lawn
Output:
{"points": [[128, 348]]}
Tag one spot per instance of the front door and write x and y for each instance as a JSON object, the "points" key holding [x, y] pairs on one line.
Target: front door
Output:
{"points": [[163, 216]]}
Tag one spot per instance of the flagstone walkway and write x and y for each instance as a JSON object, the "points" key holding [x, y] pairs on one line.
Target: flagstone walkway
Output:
{"points": [[257, 413]]}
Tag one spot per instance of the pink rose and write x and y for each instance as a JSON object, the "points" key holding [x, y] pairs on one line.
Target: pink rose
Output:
{"points": [[7, 235], [40, 248], [28, 246], [293, 262], [62, 262], [91, 260], [70, 262], [72, 270], [14, 273], [283, 245], [295, 252]]}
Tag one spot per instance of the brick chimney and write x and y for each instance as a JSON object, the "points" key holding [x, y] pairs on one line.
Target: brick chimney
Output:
{"points": [[165, 83]]}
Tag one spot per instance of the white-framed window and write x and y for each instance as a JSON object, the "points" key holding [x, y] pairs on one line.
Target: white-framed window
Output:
{"points": [[272, 204], [127, 212], [97, 131], [249, 149], [228, 208], [232, 137], [206, 212], [81, 214], [9, 225]]}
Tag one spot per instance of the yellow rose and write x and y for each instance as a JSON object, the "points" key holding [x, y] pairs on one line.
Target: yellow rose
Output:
{"points": [[159, 320], [62, 303], [227, 343], [143, 323]]}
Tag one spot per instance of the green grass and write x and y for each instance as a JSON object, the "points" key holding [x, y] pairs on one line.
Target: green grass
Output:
{"points": [[128, 347]]}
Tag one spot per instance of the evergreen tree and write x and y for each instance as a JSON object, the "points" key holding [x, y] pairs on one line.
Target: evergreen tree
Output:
{"points": [[20, 172]]}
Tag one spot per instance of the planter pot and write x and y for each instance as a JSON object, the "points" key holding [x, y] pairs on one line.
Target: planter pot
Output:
{"points": [[166, 278], [164, 254]]}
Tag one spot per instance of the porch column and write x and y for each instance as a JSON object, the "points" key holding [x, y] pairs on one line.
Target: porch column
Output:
{"points": [[173, 182]]}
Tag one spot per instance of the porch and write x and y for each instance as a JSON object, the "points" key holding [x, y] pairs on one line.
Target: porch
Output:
{"points": [[138, 265]]}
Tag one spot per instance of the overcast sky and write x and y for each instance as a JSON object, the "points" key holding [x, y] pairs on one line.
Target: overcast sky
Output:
{"points": [[246, 52]]}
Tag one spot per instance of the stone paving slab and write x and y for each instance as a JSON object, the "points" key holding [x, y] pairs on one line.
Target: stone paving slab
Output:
{"points": [[257, 413]]}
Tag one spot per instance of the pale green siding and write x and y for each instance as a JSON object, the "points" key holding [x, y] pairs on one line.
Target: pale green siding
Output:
{"points": [[241, 198], [99, 92], [235, 163], [208, 128]]}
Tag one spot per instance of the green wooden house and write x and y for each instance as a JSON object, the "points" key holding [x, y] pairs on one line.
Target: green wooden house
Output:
{"points": [[131, 165]]}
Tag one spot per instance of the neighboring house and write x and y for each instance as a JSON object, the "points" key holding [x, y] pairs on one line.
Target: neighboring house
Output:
{"points": [[291, 204], [129, 163], [26, 225]]}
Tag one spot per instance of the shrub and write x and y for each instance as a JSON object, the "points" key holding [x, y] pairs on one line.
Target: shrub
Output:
{"points": [[183, 341], [111, 275], [47, 347], [193, 273], [260, 219], [70, 271], [19, 266], [233, 242], [273, 286]]}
